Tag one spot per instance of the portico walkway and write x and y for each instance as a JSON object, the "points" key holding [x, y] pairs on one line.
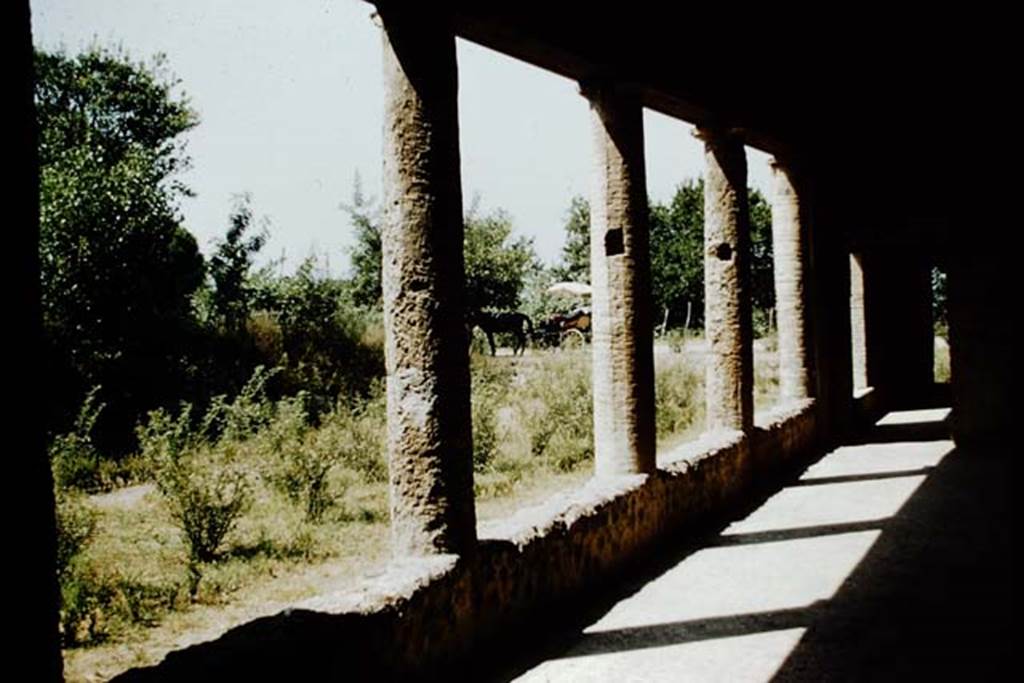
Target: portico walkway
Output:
{"points": [[886, 559]]}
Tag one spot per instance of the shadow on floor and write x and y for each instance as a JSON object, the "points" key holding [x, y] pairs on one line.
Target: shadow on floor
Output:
{"points": [[932, 598]]}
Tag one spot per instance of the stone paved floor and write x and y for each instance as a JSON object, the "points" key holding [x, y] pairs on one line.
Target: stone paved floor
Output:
{"points": [[888, 559]]}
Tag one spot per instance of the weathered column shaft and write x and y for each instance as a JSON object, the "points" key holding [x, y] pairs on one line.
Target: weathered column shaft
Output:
{"points": [[623, 341], [789, 243], [727, 313], [858, 324], [426, 346], [829, 296]]}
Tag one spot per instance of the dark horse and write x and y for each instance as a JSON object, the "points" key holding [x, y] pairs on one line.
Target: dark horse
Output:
{"points": [[517, 323]]}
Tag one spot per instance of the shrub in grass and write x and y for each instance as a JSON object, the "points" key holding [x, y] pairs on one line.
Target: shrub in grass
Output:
{"points": [[359, 427], [678, 395], [245, 415], [555, 407], [489, 389], [96, 606], [79, 594], [76, 523], [73, 456], [301, 459], [163, 437], [766, 377], [83, 596], [207, 491]]}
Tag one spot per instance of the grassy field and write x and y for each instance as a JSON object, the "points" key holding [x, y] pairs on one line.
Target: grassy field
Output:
{"points": [[132, 593]]}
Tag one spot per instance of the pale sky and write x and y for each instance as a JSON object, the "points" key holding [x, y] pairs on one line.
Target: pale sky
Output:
{"points": [[290, 101]]}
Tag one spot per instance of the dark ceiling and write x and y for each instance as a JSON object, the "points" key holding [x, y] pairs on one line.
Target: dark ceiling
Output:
{"points": [[873, 100]]}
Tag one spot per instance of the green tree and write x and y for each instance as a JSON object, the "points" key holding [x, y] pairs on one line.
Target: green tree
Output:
{"points": [[575, 265], [118, 270], [366, 254], [762, 259], [230, 266], [677, 255], [497, 265], [677, 252], [939, 298], [326, 346]]}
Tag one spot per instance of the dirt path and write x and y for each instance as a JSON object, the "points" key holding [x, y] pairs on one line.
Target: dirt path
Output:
{"points": [[122, 499]]}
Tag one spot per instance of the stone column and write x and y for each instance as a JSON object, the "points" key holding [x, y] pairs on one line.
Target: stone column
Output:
{"points": [[727, 309], [426, 347], [789, 246], [623, 333], [36, 643], [858, 324], [829, 295]]}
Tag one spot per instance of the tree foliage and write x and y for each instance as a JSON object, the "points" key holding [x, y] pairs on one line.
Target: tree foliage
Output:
{"points": [[230, 265], [118, 270], [677, 252], [367, 254], [497, 264], [575, 265], [762, 257]]}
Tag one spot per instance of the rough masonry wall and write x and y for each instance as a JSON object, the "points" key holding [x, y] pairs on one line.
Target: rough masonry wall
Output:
{"points": [[426, 345], [426, 615], [900, 340], [983, 310], [623, 330]]}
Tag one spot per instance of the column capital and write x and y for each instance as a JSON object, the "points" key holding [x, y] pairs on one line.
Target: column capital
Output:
{"points": [[601, 87], [790, 164], [716, 134]]}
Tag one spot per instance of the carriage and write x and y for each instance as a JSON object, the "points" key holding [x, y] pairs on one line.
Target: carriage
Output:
{"points": [[563, 330]]}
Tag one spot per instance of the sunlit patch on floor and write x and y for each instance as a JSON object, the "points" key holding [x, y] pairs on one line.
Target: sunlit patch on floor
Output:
{"points": [[737, 608], [902, 417]]}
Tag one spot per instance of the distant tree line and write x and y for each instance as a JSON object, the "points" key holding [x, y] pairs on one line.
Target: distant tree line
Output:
{"points": [[134, 316], [677, 254]]}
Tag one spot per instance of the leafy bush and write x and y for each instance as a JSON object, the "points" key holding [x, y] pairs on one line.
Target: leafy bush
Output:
{"points": [[76, 523], [490, 382], [678, 395], [367, 436], [83, 595], [556, 408], [246, 414], [303, 460], [73, 456], [207, 491], [329, 347], [95, 606]]}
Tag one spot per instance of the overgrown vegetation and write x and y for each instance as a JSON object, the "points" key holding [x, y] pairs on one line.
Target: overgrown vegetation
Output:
{"points": [[253, 485], [247, 406]]}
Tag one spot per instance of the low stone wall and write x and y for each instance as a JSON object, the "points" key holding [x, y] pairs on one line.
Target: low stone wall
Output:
{"points": [[425, 616]]}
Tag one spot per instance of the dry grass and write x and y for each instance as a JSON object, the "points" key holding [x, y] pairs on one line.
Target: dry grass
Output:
{"points": [[274, 557]]}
